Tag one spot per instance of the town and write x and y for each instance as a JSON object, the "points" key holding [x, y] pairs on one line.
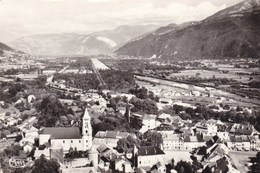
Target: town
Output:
{"points": [[87, 116], [120, 86]]}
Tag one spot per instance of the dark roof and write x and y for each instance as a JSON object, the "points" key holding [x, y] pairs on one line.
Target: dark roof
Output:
{"points": [[242, 129], [102, 148], [63, 132], [149, 150], [239, 139], [164, 127]]}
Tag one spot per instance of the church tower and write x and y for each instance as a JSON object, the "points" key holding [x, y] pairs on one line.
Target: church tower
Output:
{"points": [[86, 131]]}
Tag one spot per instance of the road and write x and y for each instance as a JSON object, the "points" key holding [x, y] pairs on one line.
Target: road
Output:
{"points": [[95, 70], [64, 69]]}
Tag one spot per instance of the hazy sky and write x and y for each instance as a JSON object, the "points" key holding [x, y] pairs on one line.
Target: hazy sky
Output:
{"points": [[26, 17]]}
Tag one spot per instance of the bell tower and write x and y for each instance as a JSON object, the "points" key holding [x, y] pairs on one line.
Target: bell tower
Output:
{"points": [[86, 130]]}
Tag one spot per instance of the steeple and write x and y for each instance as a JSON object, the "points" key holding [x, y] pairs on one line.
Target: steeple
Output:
{"points": [[86, 125]]}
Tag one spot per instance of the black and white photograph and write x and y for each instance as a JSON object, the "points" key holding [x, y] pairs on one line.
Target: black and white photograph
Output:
{"points": [[129, 86]]}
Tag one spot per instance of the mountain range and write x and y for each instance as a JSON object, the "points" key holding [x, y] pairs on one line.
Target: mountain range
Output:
{"points": [[103, 42], [232, 32]]}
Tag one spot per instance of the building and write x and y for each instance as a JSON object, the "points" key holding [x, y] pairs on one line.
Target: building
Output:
{"points": [[110, 138], [149, 122], [207, 128], [149, 156], [69, 137], [123, 165], [164, 130], [172, 142], [192, 142], [239, 143], [242, 129]]}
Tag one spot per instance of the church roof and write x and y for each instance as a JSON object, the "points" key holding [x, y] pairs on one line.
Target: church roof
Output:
{"points": [[63, 132]]}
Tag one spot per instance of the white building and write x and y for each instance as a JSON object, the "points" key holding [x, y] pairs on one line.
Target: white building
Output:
{"points": [[69, 137], [110, 138], [149, 156], [149, 122]]}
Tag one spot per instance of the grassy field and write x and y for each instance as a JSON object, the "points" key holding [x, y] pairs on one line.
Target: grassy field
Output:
{"points": [[209, 74]]}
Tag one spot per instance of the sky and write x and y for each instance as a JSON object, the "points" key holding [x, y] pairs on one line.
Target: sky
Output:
{"points": [[27, 17]]}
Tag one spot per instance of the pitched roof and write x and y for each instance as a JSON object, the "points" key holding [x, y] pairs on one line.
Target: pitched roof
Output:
{"points": [[63, 132], [164, 127], [149, 150], [242, 129], [102, 148]]}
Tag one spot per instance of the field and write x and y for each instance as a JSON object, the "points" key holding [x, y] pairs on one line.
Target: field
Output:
{"points": [[183, 92], [209, 74], [99, 65]]}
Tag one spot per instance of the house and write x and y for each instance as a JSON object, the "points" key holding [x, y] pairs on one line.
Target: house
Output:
{"points": [[217, 150], [158, 168], [110, 138], [164, 102], [239, 143], [68, 137], [164, 118], [148, 156], [149, 122], [105, 151], [192, 142], [172, 142], [123, 165], [27, 147], [220, 165], [164, 130], [206, 128], [242, 129]]}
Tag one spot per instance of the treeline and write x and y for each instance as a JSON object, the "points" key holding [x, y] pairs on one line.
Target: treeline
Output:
{"points": [[82, 81], [118, 80], [238, 115], [50, 111]]}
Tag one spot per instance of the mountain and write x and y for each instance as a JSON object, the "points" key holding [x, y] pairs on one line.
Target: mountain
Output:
{"points": [[244, 7], [8, 52], [4, 47], [232, 32], [104, 42]]}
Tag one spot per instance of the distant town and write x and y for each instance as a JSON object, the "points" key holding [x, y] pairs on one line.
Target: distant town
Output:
{"points": [[101, 114]]}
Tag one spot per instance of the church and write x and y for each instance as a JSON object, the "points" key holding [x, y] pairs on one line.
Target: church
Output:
{"points": [[69, 137]]}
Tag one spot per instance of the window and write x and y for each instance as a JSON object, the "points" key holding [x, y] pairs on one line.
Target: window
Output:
{"points": [[140, 162], [63, 141], [71, 141], [79, 141]]}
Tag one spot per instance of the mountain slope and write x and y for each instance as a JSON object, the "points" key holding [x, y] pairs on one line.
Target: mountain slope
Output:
{"points": [[75, 44], [8, 52], [244, 7], [220, 35]]}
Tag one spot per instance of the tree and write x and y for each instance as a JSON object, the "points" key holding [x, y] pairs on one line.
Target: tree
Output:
{"points": [[126, 143], [183, 167], [42, 165], [153, 138], [258, 156]]}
